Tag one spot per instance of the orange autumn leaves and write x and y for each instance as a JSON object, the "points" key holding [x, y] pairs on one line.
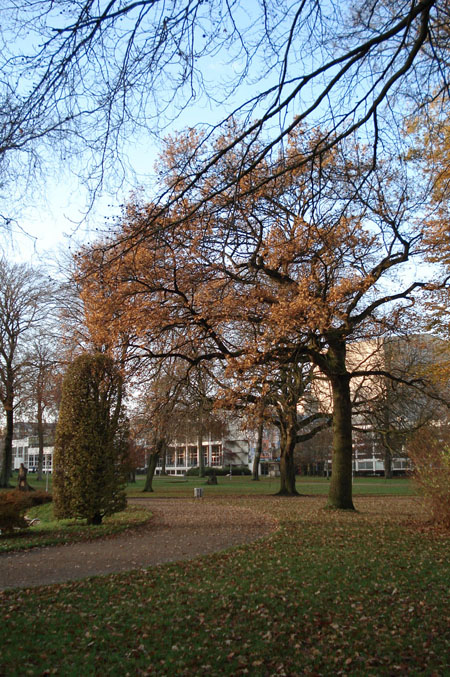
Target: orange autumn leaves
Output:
{"points": [[245, 276]]}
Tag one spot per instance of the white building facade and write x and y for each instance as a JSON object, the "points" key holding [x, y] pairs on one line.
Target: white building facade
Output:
{"points": [[26, 450]]}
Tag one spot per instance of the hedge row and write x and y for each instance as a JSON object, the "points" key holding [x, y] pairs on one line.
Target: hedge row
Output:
{"points": [[235, 470]]}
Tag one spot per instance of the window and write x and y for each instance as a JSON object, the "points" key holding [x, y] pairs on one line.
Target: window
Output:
{"points": [[192, 456], [216, 454], [365, 465], [180, 456], [170, 457]]}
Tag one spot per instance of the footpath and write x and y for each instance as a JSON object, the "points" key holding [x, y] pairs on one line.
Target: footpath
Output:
{"points": [[180, 529]]}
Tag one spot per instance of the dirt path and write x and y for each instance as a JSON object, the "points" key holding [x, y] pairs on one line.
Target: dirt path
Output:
{"points": [[181, 529]]}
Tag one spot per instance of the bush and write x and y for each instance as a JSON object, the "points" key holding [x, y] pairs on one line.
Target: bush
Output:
{"points": [[220, 472], [429, 451], [91, 442], [14, 505]]}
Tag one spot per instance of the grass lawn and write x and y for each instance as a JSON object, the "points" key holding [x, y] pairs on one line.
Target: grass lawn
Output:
{"points": [[244, 486], [171, 486], [329, 593]]}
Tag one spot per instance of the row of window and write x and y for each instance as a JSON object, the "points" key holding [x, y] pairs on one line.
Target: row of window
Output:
{"points": [[374, 464], [188, 457]]}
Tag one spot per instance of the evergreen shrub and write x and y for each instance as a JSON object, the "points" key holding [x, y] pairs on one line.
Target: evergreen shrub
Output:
{"points": [[91, 441]]}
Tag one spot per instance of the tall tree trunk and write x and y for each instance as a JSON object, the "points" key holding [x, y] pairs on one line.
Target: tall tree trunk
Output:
{"points": [[387, 464], [151, 471], [287, 467], [163, 461], [40, 432], [7, 448], [258, 450], [201, 460], [340, 492], [387, 455], [386, 435]]}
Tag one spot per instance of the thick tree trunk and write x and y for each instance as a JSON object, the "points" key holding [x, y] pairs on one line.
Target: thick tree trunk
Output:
{"points": [[151, 471], [7, 448], [287, 466], [387, 459], [340, 493], [95, 519], [40, 432], [256, 460]]}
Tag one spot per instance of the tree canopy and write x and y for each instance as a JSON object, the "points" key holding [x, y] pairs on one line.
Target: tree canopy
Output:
{"points": [[284, 274]]}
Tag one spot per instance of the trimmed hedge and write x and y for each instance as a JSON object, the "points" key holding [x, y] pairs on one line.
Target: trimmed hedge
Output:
{"points": [[220, 472], [14, 505]]}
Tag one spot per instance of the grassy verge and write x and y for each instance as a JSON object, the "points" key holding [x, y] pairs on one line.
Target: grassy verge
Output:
{"points": [[244, 486], [361, 593], [56, 532], [171, 486]]}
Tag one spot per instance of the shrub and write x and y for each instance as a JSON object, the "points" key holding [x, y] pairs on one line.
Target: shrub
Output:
{"points": [[14, 505], [429, 451], [91, 441]]}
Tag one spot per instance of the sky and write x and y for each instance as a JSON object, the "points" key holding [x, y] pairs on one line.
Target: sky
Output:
{"points": [[53, 217]]}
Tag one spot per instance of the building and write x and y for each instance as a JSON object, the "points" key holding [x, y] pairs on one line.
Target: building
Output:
{"points": [[183, 455], [26, 450], [385, 411]]}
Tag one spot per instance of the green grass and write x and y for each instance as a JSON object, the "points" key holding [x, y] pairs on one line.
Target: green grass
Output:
{"points": [[50, 532], [244, 486], [171, 486], [329, 593]]}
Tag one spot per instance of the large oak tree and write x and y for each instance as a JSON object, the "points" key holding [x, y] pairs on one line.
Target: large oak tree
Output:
{"points": [[255, 280]]}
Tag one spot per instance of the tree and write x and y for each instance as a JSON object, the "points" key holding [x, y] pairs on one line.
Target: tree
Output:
{"points": [[258, 452], [24, 304], [41, 390], [90, 458], [196, 408], [94, 74], [274, 392], [155, 420]]}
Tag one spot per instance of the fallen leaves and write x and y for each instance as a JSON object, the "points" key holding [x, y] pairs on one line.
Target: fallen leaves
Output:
{"points": [[327, 594]]}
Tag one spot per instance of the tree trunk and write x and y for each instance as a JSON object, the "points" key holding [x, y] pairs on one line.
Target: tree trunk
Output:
{"points": [[386, 436], [7, 448], [287, 466], [258, 450], [23, 482], [387, 458], [151, 471], [201, 460], [95, 519], [340, 493], [163, 462], [40, 432]]}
